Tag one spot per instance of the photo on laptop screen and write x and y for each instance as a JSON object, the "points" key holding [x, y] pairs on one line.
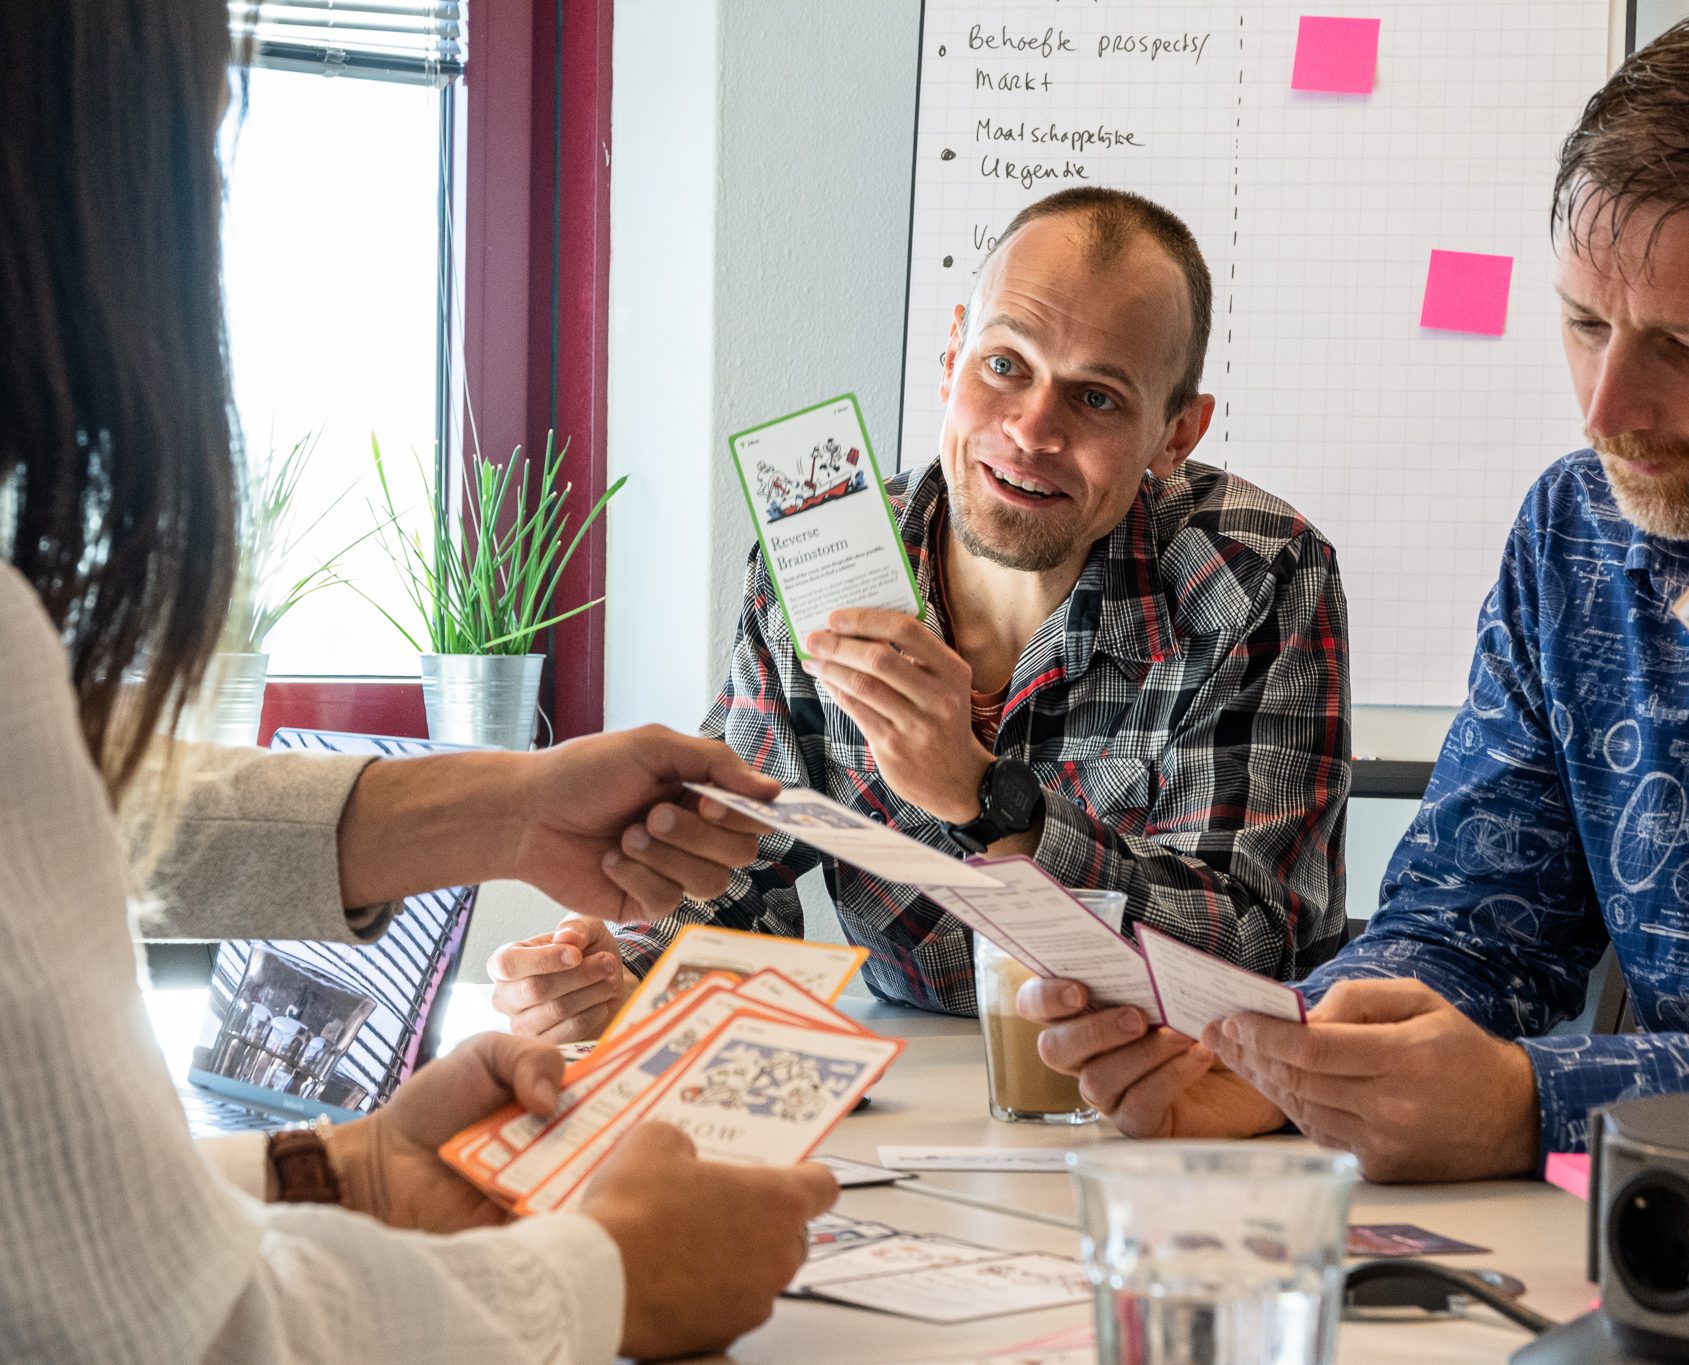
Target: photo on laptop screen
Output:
{"points": [[297, 1029]]}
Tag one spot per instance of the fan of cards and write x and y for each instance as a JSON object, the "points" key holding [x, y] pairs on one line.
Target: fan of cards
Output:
{"points": [[1030, 916], [731, 1037]]}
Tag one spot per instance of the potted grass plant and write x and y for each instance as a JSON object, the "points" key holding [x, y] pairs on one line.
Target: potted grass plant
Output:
{"points": [[483, 582], [268, 585]]}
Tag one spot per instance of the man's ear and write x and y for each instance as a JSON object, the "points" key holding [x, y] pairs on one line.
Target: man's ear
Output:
{"points": [[1183, 433], [952, 349]]}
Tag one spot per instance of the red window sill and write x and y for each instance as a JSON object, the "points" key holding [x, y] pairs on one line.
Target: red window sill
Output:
{"points": [[364, 706]]}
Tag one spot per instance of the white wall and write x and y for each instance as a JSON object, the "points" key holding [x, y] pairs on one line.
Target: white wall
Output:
{"points": [[759, 214], [759, 219]]}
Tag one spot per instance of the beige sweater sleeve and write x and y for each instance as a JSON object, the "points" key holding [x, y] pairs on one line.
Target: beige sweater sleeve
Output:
{"points": [[242, 843]]}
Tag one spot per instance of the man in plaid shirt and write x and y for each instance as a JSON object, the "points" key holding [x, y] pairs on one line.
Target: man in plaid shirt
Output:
{"points": [[1556, 822], [1132, 669]]}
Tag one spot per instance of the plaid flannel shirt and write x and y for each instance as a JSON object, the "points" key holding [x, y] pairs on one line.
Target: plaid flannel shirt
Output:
{"points": [[1186, 709]]}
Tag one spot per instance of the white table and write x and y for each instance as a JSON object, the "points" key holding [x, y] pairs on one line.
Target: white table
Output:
{"points": [[935, 1095]]}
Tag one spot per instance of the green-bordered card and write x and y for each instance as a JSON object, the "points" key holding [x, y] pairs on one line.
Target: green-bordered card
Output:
{"points": [[822, 516]]}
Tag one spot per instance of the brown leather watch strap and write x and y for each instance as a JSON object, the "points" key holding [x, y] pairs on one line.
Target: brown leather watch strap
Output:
{"points": [[300, 1168]]}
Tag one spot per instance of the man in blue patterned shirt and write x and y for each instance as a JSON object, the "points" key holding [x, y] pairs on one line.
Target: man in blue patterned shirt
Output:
{"points": [[1151, 652], [1557, 819]]}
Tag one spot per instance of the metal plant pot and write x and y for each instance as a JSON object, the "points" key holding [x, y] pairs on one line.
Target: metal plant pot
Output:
{"points": [[230, 702], [486, 699]]}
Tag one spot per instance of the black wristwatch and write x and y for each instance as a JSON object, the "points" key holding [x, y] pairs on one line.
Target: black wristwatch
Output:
{"points": [[1010, 802]]}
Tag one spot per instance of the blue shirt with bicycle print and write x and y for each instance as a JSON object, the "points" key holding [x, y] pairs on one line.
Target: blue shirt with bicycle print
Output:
{"points": [[1557, 817]]}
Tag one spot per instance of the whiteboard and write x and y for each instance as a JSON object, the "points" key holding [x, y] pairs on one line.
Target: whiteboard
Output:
{"points": [[1411, 448]]}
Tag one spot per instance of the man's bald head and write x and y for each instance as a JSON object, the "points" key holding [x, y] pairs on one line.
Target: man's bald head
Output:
{"points": [[1109, 222]]}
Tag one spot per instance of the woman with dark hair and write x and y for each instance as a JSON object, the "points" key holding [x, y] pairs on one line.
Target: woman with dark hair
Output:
{"points": [[118, 494]]}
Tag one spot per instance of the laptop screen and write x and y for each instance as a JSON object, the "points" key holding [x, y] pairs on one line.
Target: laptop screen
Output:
{"points": [[303, 1029]]}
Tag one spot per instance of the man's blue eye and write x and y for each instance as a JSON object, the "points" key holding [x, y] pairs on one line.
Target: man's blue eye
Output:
{"points": [[1098, 400], [999, 364]]}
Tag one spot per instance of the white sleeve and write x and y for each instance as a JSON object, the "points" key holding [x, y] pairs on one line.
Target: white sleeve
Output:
{"points": [[117, 1241]]}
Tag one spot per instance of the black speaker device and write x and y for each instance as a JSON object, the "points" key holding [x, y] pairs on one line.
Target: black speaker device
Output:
{"points": [[1638, 1242]]}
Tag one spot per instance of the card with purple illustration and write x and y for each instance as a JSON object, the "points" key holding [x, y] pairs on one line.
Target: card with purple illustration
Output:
{"points": [[1403, 1239], [754, 1065]]}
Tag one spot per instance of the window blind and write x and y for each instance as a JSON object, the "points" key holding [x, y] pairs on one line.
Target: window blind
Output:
{"points": [[419, 43]]}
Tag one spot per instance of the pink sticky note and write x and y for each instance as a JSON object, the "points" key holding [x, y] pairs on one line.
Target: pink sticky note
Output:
{"points": [[1339, 56], [1466, 291]]}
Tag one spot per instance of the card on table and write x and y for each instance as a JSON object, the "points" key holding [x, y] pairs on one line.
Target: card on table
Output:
{"points": [[975, 1158], [1195, 988], [1403, 1239], [830, 1233], [1032, 917], [819, 820], [850, 1173], [822, 969], [828, 536], [895, 1255], [961, 1293]]}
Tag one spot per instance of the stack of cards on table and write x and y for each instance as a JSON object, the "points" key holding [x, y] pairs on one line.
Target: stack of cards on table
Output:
{"points": [[1027, 913], [731, 1037], [936, 1279]]}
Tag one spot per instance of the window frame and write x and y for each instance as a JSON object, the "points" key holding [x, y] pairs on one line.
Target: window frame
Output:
{"points": [[529, 190]]}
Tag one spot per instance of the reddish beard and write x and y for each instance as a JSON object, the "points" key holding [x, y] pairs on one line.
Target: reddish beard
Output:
{"points": [[1656, 501]]}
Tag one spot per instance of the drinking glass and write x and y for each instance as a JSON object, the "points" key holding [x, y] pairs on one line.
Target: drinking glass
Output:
{"points": [[1022, 1088], [1214, 1253]]}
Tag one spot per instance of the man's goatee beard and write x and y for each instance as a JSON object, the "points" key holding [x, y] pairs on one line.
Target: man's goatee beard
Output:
{"points": [[1655, 503]]}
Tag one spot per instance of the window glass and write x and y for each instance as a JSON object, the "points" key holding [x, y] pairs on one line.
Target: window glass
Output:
{"points": [[331, 272]]}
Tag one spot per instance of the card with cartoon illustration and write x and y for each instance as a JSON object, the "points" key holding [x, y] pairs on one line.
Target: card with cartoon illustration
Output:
{"points": [[828, 536], [751, 1059], [772, 987], [762, 1093], [582, 1139], [822, 969]]}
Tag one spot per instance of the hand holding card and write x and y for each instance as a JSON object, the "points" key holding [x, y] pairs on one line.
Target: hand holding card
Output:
{"points": [[1034, 919], [1196, 989], [826, 529], [821, 821], [732, 1040]]}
